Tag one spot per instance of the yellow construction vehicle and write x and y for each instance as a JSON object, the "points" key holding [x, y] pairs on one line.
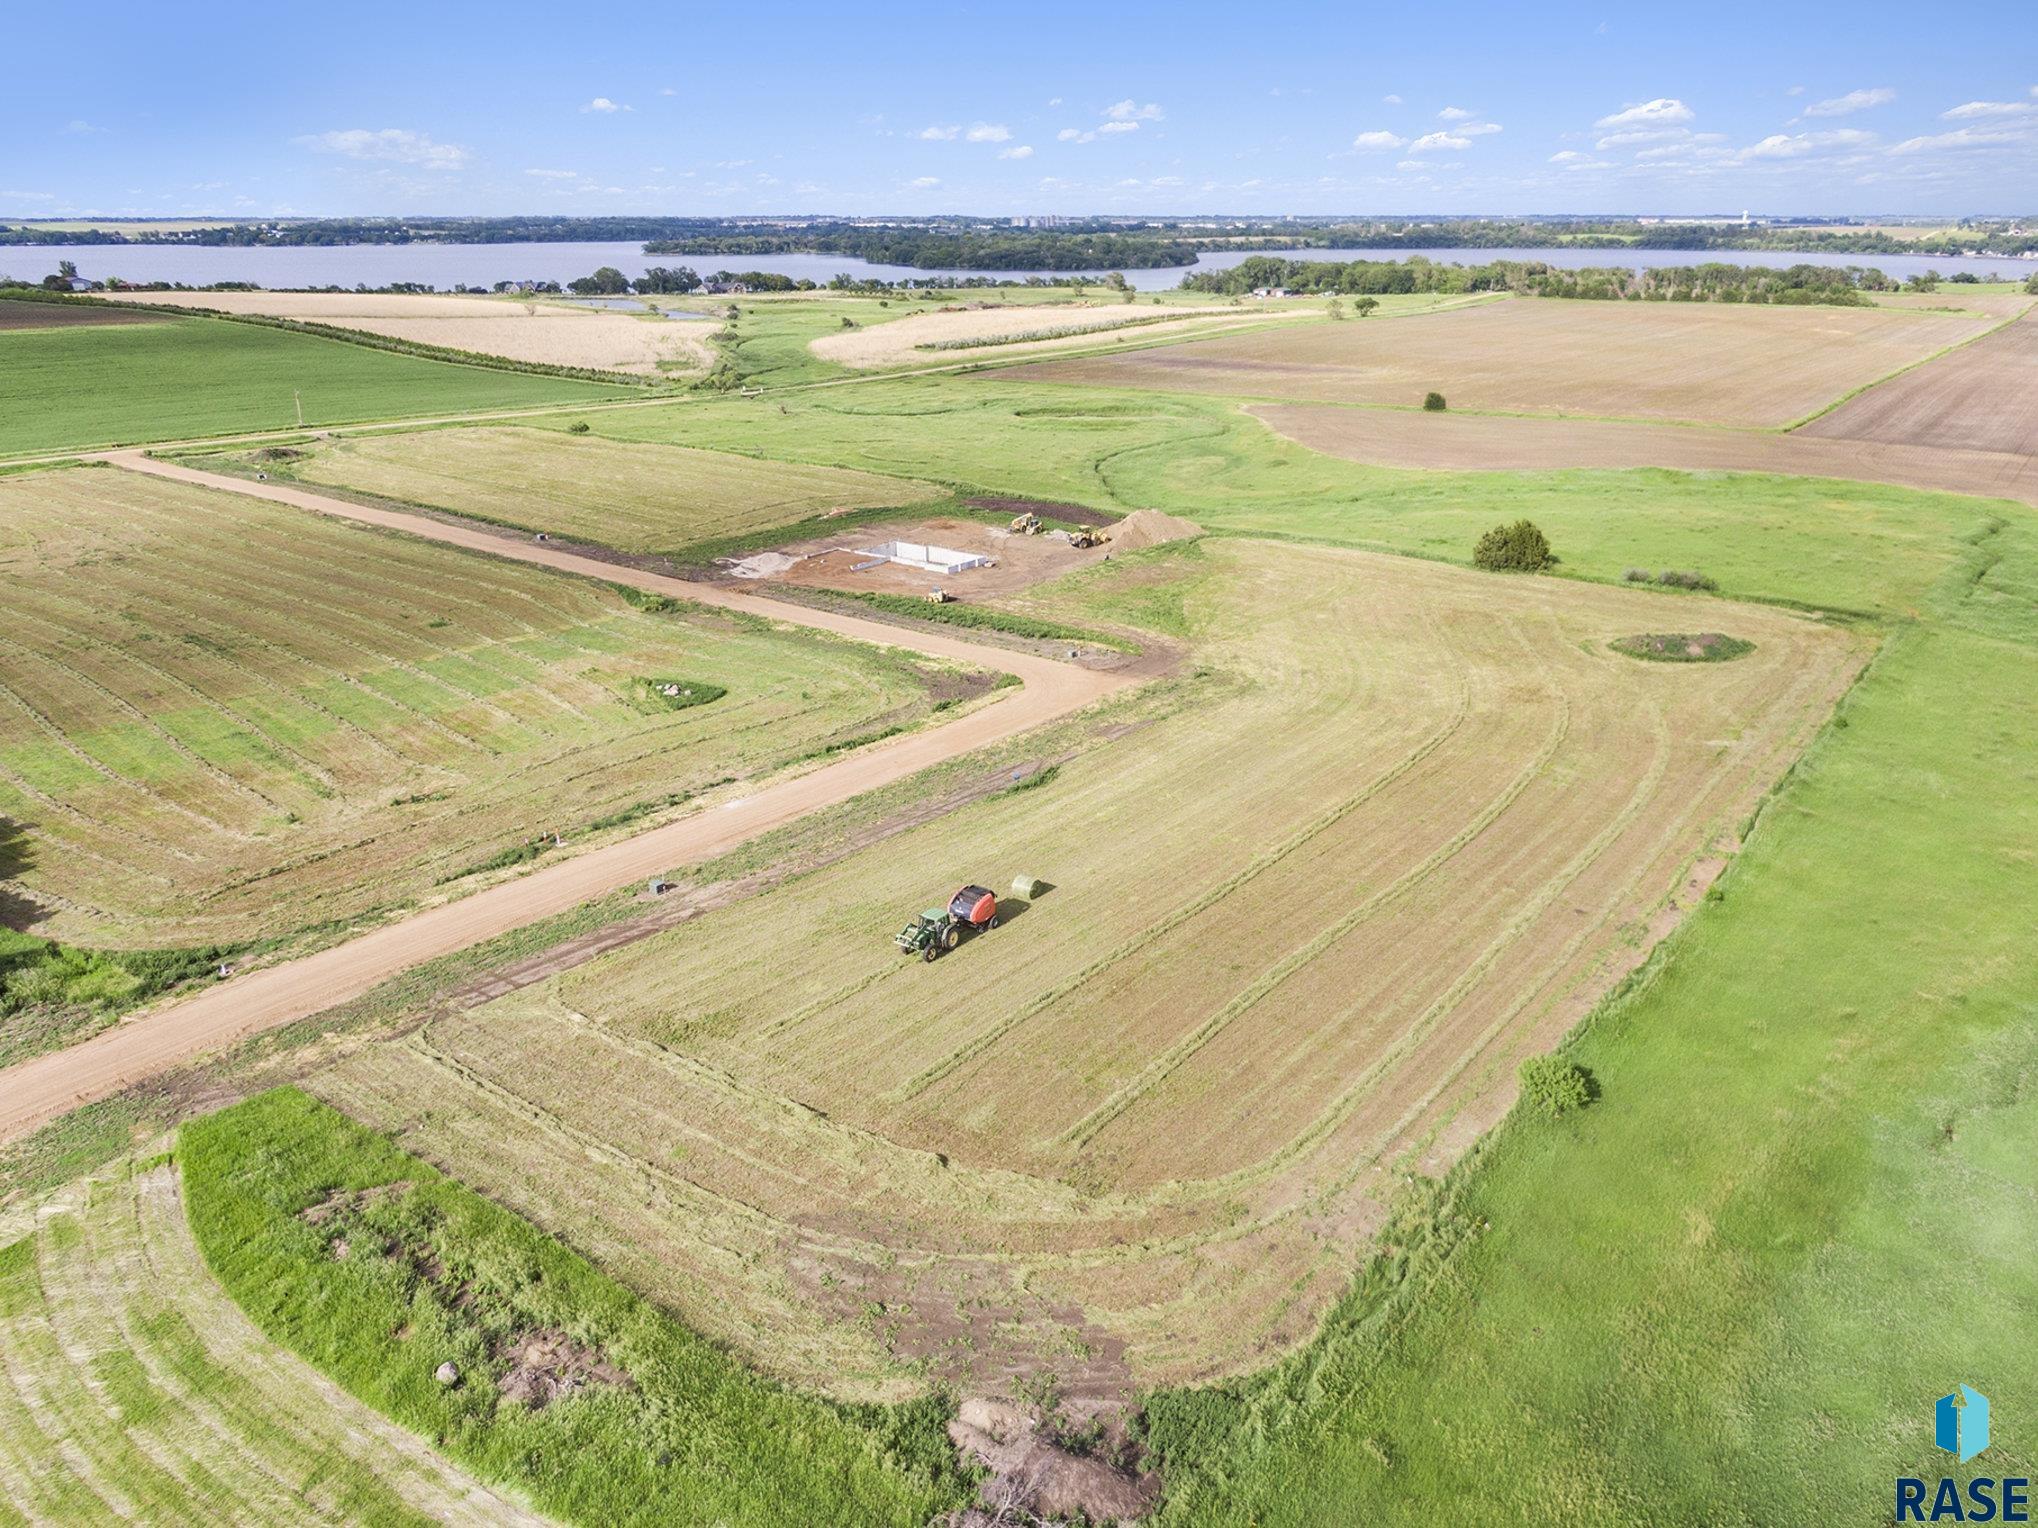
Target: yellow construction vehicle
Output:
{"points": [[1027, 524]]}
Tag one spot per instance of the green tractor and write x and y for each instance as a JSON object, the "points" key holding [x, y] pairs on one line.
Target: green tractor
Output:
{"points": [[941, 928]]}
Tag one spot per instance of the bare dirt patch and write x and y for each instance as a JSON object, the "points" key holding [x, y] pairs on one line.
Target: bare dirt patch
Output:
{"points": [[64, 315], [1044, 1466], [845, 562], [1706, 362], [546, 1366]]}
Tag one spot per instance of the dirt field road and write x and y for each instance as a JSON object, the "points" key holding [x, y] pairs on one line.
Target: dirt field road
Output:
{"points": [[37, 1091]]}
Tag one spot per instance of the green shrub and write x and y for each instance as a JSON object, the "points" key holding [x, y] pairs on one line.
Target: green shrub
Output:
{"points": [[1434, 402], [578, 427], [1692, 579], [1555, 1085], [1516, 548], [1637, 576]]}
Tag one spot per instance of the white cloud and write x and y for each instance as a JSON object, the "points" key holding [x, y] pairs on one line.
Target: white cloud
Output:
{"points": [[1983, 109], [1429, 143], [1017, 151], [1852, 101], [988, 132], [1797, 145], [1476, 129], [925, 182], [1453, 114], [1390, 100], [1657, 113], [1411, 164], [604, 106], [1074, 135], [1054, 101], [1991, 136], [1795, 90], [939, 134], [394, 145], [1131, 111], [1379, 139], [668, 91], [80, 125], [555, 174], [1119, 127]]}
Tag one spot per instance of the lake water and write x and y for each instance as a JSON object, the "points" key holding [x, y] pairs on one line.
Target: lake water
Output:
{"points": [[449, 265]]}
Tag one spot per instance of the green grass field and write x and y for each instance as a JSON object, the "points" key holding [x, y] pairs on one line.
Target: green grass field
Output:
{"points": [[66, 389], [404, 1270], [1835, 545]]}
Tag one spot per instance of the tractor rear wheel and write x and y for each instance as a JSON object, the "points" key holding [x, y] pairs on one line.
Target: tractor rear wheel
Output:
{"points": [[951, 937]]}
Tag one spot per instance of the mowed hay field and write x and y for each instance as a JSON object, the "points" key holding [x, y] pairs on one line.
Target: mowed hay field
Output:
{"points": [[1982, 397], [118, 384], [1301, 931], [226, 719], [636, 498], [965, 334], [133, 1390], [543, 333], [1707, 363]]}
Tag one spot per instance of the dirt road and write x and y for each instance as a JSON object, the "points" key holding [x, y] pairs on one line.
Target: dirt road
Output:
{"points": [[37, 1091]]}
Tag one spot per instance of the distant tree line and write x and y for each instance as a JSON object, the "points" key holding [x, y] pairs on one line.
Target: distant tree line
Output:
{"points": [[953, 249], [1713, 282]]}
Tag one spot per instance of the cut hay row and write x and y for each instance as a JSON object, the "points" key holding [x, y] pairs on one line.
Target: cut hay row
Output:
{"points": [[302, 720], [1298, 935], [132, 1389], [540, 333], [636, 498], [1702, 362]]}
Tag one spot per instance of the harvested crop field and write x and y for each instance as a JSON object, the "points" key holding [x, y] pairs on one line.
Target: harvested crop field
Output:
{"points": [[1300, 929], [1700, 362], [635, 498], [542, 333], [66, 315], [996, 332], [1982, 397], [1485, 443], [226, 719], [133, 1390]]}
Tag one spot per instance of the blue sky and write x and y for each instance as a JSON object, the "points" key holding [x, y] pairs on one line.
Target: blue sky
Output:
{"points": [[373, 108]]}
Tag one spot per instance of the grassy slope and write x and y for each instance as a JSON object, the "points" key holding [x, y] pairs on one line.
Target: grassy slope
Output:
{"points": [[694, 1438], [1854, 546], [71, 388], [1732, 1289]]}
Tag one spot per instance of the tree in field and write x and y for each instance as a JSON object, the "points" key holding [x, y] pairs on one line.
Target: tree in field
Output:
{"points": [[1434, 403], [1365, 305], [2031, 286], [1516, 548], [1336, 308]]}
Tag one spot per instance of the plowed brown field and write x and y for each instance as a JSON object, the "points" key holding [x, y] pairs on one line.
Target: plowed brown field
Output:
{"points": [[1485, 443], [1702, 362], [1300, 934], [1982, 397]]}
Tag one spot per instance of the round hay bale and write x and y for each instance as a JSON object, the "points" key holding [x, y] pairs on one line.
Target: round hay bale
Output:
{"points": [[1026, 886]]}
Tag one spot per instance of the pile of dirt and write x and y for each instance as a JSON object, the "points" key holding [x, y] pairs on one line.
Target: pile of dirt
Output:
{"points": [[1048, 509], [347, 1203], [545, 1366], [1035, 1473], [1151, 527]]}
